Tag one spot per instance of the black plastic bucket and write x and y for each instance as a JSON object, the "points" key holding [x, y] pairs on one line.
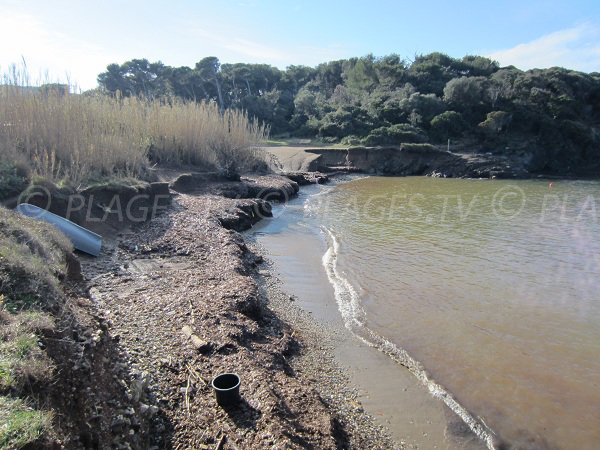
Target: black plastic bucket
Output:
{"points": [[227, 388]]}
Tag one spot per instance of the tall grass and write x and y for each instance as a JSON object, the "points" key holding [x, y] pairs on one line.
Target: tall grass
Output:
{"points": [[77, 137]]}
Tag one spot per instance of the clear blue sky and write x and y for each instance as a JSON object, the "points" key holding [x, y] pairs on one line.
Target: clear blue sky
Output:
{"points": [[80, 38]]}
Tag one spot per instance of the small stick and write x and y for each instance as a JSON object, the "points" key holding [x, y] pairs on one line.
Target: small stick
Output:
{"points": [[187, 396], [192, 310], [196, 374], [220, 443]]}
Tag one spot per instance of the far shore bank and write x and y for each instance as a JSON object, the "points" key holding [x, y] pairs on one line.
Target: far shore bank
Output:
{"points": [[411, 160]]}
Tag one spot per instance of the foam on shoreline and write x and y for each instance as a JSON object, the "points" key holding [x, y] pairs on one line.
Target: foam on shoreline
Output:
{"points": [[353, 316]]}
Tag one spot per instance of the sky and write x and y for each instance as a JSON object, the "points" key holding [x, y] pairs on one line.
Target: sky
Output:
{"points": [[69, 40]]}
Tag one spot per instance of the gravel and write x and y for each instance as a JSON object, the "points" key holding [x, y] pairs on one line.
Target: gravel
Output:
{"points": [[187, 299]]}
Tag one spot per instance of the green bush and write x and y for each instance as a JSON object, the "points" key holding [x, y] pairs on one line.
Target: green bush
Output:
{"points": [[394, 135], [14, 179], [495, 122], [449, 124], [351, 140]]}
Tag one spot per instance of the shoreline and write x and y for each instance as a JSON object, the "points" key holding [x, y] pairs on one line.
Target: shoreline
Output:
{"points": [[429, 417], [290, 240], [184, 296], [186, 269], [397, 161]]}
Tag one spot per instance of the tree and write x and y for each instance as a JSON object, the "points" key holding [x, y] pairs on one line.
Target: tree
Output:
{"points": [[478, 66], [360, 75], [346, 121], [430, 73], [495, 122], [136, 77], [208, 71], [449, 124], [391, 71], [295, 77], [466, 94]]}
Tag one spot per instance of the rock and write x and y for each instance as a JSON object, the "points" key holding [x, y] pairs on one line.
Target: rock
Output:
{"points": [[118, 424], [160, 188], [73, 267], [245, 214], [304, 178], [199, 344], [188, 182]]}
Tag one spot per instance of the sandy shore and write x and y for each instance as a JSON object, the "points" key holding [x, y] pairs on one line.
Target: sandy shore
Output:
{"points": [[389, 391], [185, 299]]}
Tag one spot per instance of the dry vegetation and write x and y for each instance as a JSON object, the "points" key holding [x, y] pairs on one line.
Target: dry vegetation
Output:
{"points": [[77, 137]]}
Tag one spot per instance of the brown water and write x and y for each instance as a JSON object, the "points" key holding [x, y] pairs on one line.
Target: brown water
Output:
{"points": [[491, 287]]}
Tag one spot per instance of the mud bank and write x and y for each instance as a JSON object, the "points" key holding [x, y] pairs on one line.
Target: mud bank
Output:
{"points": [[400, 161]]}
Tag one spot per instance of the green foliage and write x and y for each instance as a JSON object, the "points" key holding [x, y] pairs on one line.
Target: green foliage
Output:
{"points": [[430, 73], [360, 74], [449, 124], [394, 135], [496, 121], [351, 140], [476, 66], [32, 258], [579, 133], [360, 99], [7, 380], [465, 93], [21, 359], [21, 425], [14, 178], [136, 77], [344, 121]]}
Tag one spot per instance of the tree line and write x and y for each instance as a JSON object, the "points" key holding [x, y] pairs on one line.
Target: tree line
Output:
{"points": [[551, 115]]}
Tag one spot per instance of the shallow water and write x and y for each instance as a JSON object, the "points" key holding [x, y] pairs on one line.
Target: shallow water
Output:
{"points": [[491, 287]]}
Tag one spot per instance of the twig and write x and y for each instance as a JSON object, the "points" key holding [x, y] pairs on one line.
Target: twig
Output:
{"points": [[187, 396], [195, 374], [220, 443], [192, 310]]}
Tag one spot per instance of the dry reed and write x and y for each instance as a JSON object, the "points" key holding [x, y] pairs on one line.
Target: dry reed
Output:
{"points": [[78, 137]]}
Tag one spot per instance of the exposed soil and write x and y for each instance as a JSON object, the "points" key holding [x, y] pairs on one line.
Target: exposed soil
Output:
{"points": [[181, 298]]}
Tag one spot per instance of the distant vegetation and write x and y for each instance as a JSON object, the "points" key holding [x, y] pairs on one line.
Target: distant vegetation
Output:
{"points": [[60, 136], [551, 115]]}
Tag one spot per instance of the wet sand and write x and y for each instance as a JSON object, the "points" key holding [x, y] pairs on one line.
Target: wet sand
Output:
{"points": [[387, 391]]}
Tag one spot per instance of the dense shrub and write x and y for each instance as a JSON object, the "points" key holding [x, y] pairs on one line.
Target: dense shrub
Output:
{"points": [[394, 134], [449, 124], [495, 122]]}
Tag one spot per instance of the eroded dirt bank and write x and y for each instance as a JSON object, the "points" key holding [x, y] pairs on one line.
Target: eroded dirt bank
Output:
{"points": [[399, 161], [180, 296]]}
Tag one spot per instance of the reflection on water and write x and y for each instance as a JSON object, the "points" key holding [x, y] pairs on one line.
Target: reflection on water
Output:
{"points": [[492, 285]]}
